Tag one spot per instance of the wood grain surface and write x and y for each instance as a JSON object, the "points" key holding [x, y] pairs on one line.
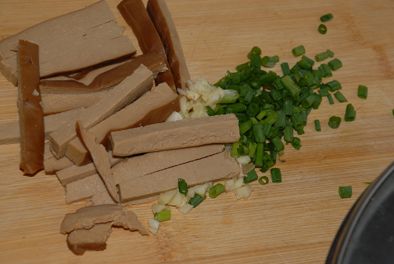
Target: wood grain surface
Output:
{"points": [[293, 222]]}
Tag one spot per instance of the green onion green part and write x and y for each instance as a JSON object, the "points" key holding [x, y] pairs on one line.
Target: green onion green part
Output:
{"points": [[334, 122], [362, 91], [216, 190], [324, 55], [345, 192], [163, 215], [196, 200], [334, 85], [322, 29], [330, 99], [182, 186], [335, 64], [296, 143], [250, 177], [326, 17], [298, 51], [269, 62], [350, 113], [285, 68], [276, 175], [317, 125], [340, 97], [263, 180]]}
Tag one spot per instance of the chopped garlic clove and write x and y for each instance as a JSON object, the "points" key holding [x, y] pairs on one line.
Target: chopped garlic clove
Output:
{"points": [[243, 160], [166, 197], [153, 226], [243, 192], [158, 208], [186, 208]]}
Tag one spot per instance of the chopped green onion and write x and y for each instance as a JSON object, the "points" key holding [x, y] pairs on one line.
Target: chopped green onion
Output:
{"points": [[259, 155], [216, 190], [234, 150], [182, 186], [322, 29], [230, 97], [252, 146], [334, 85], [324, 55], [330, 99], [250, 177], [324, 90], [362, 91], [334, 122], [335, 64], [210, 111], [345, 191], [196, 200], [291, 86], [340, 97], [325, 70], [296, 143], [317, 125], [392, 111], [350, 114], [285, 68], [298, 51], [163, 215], [263, 180], [288, 134], [245, 126], [258, 133], [327, 17], [306, 63], [276, 175], [278, 144], [236, 108], [269, 62], [254, 51]]}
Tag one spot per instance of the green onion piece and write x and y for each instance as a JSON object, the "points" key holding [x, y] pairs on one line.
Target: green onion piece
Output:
{"points": [[254, 51], [250, 177], [263, 180], [253, 109], [392, 111], [288, 134], [327, 17], [345, 191], [276, 175], [291, 86], [350, 113], [245, 126], [317, 125], [322, 29], [324, 90], [196, 200], [163, 215], [324, 55], [210, 111], [259, 155], [278, 144], [335, 64], [252, 146], [340, 97], [269, 62], [288, 107], [216, 190], [296, 143], [182, 186], [229, 97], [285, 68], [236, 108], [234, 150], [325, 70], [334, 85], [362, 91], [330, 99], [306, 63], [334, 122], [298, 51], [258, 133]]}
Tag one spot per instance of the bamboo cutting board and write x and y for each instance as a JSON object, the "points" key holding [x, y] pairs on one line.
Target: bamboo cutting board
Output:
{"points": [[292, 222]]}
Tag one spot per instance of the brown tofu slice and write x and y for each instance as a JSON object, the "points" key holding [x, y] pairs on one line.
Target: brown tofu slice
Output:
{"points": [[118, 97], [52, 164], [162, 19], [153, 107], [85, 37], [175, 135], [31, 118], [212, 168], [135, 15], [156, 161]]}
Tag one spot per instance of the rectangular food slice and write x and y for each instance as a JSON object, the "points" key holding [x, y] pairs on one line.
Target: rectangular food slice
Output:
{"points": [[104, 77], [10, 133], [156, 161], [121, 95], [52, 164], [215, 167], [135, 15], [162, 19], [70, 42], [31, 118], [174, 135], [153, 107]]}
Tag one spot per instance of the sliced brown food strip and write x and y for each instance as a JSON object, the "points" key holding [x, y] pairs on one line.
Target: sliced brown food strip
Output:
{"points": [[162, 19], [52, 164], [81, 240], [215, 167], [100, 160], [84, 37], [103, 78], [118, 97], [31, 118], [156, 161], [135, 15], [174, 135], [153, 107], [87, 217], [75, 173], [10, 133]]}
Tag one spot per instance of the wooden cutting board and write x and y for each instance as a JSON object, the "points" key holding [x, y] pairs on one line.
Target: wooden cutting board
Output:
{"points": [[292, 222]]}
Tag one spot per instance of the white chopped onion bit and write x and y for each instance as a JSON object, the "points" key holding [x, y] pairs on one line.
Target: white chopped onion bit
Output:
{"points": [[158, 208], [243, 192], [153, 226], [186, 208], [239, 183], [199, 189], [229, 185], [166, 197], [175, 116], [243, 160], [178, 200]]}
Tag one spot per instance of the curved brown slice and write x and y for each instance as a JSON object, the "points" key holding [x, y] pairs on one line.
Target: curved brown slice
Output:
{"points": [[135, 15], [31, 118], [161, 17], [100, 160]]}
